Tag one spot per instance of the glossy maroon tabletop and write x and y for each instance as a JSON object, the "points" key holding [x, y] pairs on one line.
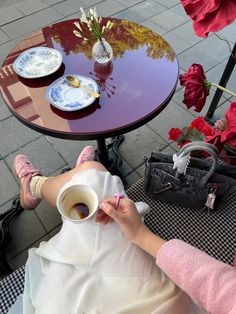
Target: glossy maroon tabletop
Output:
{"points": [[134, 87]]}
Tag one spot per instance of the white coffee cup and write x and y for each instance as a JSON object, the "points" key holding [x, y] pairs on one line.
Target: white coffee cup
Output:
{"points": [[77, 203]]}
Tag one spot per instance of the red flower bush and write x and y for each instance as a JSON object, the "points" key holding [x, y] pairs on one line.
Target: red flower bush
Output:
{"points": [[196, 91], [222, 134], [198, 130], [210, 15]]}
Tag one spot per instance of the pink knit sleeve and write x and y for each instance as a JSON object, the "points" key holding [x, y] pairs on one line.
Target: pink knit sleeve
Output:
{"points": [[209, 282]]}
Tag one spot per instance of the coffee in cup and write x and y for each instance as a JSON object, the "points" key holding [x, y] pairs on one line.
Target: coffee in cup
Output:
{"points": [[77, 202]]}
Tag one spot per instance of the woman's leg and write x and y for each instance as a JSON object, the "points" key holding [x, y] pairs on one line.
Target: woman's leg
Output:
{"points": [[51, 187], [34, 187]]}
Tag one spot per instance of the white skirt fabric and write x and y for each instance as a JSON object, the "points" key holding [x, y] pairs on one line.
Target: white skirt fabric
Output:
{"points": [[90, 268]]}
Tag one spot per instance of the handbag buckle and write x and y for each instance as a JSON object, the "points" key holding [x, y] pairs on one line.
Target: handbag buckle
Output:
{"points": [[165, 188]]}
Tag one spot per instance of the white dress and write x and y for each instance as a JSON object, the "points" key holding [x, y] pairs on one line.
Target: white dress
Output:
{"points": [[90, 268]]}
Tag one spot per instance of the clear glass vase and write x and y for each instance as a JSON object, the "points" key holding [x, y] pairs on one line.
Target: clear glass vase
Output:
{"points": [[102, 51]]}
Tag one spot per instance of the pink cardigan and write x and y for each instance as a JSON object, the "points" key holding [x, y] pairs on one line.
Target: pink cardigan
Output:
{"points": [[210, 283]]}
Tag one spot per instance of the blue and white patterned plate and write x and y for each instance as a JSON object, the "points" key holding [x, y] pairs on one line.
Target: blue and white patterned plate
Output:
{"points": [[68, 98], [37, 62]]}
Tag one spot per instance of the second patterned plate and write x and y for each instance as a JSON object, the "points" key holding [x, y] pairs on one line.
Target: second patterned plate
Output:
{"points": [[68, 98]]}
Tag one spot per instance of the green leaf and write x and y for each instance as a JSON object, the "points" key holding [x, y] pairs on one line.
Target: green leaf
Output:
{"points": [[185, 131], [230, 149], [195, 135]]}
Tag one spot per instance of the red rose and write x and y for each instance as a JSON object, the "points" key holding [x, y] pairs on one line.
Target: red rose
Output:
{"points": [[198, 123], [202, 126], [195, 93], [174, 134], [208, 130], [210, 15]]}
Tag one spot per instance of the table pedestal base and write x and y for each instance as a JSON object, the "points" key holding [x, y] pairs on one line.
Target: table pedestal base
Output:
{"points": [[5, 236], [108, 155]]}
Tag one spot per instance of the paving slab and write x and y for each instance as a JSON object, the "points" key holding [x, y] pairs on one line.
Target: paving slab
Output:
{"points": [[214, 75], [154, 27], [179, 96], [130, 15], [186, 32], [31, 23], [109, 8], [213, 47], [31, 6], [4, 111], [132, 178], [8, 205], [147, 8], [137, 143], [168, 3], [14, 134], [179, 45], [49, 216], [42, 155], [66, 8], [8, 3], [231, 85], [197, 55], [88, 3], [70, 150], [180, 10], [168, 20], [228, 32], [7, 47], [173, 116], [8, 185], [9, 15], [21, 258], [3, 38], [51, 2], [25, 230], [129, 3]]}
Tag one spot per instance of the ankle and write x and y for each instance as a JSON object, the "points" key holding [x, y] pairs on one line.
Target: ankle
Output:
{"points": [[36, 184]]}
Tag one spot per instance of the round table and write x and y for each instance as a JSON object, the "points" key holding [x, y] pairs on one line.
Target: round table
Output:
{"points": [[135, 86]]}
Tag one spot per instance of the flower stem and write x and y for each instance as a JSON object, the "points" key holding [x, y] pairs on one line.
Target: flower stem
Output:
{"points": [[223, 89], [104, 48]]}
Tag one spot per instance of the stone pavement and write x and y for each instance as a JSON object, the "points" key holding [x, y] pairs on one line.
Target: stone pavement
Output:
{"points": [[166, 17]]}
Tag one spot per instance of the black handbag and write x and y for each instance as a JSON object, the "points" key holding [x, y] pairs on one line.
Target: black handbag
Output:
{"points": [[190, 182]]}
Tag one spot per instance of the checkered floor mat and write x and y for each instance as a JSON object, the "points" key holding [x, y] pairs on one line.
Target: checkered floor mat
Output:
{"points": [[212, 232], [10, 288]]}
